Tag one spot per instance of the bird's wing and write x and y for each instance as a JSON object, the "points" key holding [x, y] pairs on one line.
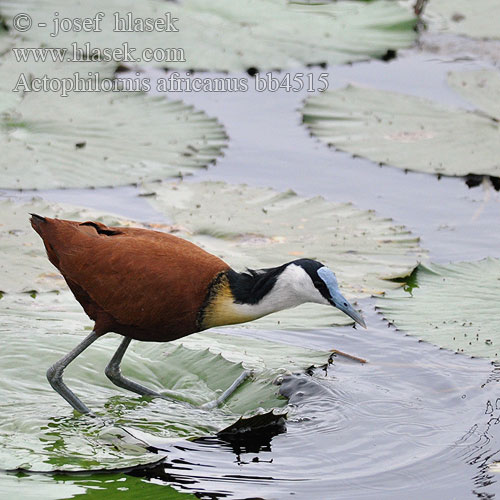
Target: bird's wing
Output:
{"points": [[139, 277]]}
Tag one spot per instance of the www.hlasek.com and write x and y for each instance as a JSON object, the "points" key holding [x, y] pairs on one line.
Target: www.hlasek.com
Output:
{"points": [[174, 82], [86, 53]]}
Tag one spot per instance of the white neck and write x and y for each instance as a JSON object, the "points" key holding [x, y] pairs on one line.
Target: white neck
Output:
{"points": [[292, 288]]}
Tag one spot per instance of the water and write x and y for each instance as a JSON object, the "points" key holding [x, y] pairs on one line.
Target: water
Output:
{"points": [[415, 421], [268, 147]]}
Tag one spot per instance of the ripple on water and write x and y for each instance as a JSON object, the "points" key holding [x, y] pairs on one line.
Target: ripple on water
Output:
{"points": [[416, 423]]}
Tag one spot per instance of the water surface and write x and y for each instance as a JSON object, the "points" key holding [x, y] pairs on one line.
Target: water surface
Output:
{"points": [[415, 421]]}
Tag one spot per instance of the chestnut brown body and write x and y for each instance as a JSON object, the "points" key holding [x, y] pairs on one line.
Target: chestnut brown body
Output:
{"points": [[143, 284]]}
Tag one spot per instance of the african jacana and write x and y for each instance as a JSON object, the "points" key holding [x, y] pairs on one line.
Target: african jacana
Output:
{"points": [[152, 286]]}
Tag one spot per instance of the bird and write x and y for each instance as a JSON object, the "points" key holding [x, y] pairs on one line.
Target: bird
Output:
{"points": [[152, 286]]}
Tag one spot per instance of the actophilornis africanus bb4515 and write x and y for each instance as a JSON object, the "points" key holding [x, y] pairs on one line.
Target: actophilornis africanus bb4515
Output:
{"points": [[152, 286]]}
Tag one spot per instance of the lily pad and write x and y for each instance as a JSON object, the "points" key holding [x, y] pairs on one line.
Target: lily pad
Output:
{"points": [[102, 139], [5, 39], [477, 19], [453, 306], [11, 68], [108, 486], [413, 133], [240, 35], [258, 227], [481, 88], [105, 486], [37, 428]]}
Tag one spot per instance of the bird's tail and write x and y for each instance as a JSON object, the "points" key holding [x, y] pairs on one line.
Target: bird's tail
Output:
{"points": [[36, 222]]}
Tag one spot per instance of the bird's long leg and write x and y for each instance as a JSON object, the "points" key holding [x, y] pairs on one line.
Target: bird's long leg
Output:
{"points": [[227, 393], [114, 373], [55, 372]]}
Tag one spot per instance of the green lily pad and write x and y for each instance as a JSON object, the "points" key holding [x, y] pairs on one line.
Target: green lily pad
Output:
{"points": [[280, 358], [37, 428], [258, 227], [11, 69], [240, 35], [477, 19], [481, 88], [108, 486], [5, 39], [102, 139], [413, 133], [452, 306]]}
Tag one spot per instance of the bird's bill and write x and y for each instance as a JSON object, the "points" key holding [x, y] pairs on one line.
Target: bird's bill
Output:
{"points": [[356, 316], [342, 304]]}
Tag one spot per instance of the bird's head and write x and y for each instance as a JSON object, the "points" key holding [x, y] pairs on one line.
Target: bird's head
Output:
{"points": [[241, 297], [315, 282]]}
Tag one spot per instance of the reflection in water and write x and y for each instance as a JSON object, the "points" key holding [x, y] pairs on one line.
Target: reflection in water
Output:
{"points": [[484, 449], [251, 435]]}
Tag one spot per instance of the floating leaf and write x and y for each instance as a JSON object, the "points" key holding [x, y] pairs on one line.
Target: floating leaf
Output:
{"points": [[481, 88], [477, 19], [453, 306], [98, 485], [14, 70], [6, 41], [280, 358], [102, 139], [240, 35], [257, 227], [35, 429], [413, 133]]}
